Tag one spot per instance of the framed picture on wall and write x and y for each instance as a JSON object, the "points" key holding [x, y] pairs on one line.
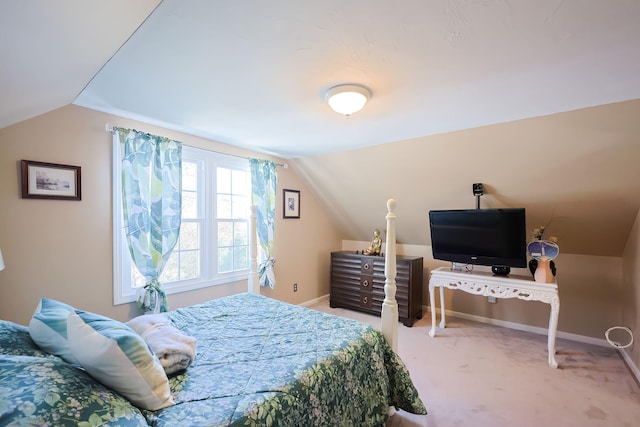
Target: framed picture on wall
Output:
{"points": [[291, 203], [50, 181]]}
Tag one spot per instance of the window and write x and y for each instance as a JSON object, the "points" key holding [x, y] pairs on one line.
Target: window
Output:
{"points": [[213, 246]]}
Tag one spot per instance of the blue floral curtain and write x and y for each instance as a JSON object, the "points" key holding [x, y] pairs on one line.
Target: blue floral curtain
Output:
{"points": [[263, 195], [152, 203]]}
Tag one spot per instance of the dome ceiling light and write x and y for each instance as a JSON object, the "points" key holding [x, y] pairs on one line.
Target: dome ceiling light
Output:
{"points": [[347, 99]]}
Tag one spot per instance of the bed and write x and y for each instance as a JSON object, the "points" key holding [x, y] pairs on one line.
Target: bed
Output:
{"points": [[259, 362]]}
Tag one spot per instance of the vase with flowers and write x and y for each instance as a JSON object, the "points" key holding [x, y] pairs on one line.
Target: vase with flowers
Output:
{"points": [[543, 252]]}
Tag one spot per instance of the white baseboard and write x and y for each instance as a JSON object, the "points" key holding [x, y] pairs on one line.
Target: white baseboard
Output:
{"points": [[632, 366], [314, 301], [521, 327], [511, 325]]}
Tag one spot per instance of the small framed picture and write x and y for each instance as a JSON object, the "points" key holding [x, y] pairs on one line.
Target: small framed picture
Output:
{"points": [[291, 203], [50, 181]]}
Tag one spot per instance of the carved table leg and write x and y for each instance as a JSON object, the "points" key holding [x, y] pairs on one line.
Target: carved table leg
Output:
{"points": [[432, 332], [553, 326], [442, 322]]}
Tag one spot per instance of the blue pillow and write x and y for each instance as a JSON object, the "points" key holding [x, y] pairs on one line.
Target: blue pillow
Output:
{"points": [[119, 358], [36, 391], [48, 328]]}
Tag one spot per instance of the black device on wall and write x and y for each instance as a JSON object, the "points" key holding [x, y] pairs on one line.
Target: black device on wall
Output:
{"points": [[478, 190], [492, 237]]}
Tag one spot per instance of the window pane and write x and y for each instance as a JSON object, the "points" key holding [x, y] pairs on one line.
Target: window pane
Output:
{"points": [[189, 236], [225, 233], [189, 176], [223, 206], [189, 205], [225, 260], [240, 182], [240, 257], [223, 183], [240, 206], [170, 272], [240, 234], [189, 265]]}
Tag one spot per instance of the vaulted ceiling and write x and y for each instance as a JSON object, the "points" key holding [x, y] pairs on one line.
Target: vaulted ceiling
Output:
{"points": [[253, 73], [547, 87]]}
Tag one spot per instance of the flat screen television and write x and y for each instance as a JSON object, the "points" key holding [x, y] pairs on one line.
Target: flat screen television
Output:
{"points": [[492, 237]]}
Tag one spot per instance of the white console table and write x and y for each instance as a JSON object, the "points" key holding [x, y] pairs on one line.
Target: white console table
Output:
{"points": [[489, 285]]}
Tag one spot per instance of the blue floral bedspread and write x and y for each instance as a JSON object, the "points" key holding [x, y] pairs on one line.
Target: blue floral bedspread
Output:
{"points": [[262, 362]]}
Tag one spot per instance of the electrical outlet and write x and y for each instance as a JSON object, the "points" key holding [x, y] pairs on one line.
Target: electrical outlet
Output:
{"points": [[492, 300], [295, 287]]}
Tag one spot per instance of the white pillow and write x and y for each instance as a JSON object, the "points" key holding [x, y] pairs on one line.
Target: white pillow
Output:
{"points": [[48, 328], [119, 358]]}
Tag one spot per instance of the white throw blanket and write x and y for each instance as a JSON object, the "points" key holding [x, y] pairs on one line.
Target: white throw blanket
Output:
{"points": [[174, 349]]}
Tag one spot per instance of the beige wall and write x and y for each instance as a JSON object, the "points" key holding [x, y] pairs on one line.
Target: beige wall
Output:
{"points": [[63, 249], [631, 283]]}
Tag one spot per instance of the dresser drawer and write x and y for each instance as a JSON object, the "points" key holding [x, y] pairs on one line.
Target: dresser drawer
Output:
{"points": [[366, 300], [357, 283], [366, 283], [366, 265]]}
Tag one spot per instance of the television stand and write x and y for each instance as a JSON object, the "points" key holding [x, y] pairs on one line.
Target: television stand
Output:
{"points": [[486, 284]]}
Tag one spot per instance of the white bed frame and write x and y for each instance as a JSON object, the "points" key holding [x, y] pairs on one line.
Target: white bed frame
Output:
{"points": [[389, 305]]}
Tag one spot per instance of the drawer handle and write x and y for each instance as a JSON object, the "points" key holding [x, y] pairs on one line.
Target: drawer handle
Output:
{"points": [[366, 266], [365, 283], [365, 300]]}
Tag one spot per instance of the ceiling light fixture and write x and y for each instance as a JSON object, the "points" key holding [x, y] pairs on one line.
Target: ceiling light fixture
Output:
{"points": [[347, 99]]}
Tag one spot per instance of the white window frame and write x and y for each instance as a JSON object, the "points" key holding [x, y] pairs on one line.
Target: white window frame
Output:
{"points": [[208, 162]]}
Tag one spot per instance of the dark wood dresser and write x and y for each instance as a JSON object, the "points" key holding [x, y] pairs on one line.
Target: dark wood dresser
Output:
{"points": [[357, 282]]}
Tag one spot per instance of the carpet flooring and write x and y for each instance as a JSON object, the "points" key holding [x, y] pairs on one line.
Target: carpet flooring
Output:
{"points": [[475, 374]]}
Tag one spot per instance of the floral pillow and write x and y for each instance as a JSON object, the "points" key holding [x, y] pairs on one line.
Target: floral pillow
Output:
{"points": [[36, 391], [15, 340]]}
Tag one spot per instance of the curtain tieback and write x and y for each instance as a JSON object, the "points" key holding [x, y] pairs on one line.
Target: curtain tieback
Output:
{"points": [[153, 298], [266, 273]]}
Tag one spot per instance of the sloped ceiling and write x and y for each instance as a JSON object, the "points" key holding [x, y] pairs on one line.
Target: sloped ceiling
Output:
{"points": [[577, 172], [253, 73], [51, 50], [537, 100]]}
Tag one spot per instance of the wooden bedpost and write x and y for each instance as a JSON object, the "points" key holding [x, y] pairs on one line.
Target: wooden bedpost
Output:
{"points": [[253, 284], [390, 305]]}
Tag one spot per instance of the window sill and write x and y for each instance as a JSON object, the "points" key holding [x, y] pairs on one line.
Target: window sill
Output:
{"points": [[186, 286]]}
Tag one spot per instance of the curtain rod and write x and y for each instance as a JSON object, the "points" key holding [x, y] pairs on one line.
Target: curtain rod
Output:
{"points": [[111, 129]]}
